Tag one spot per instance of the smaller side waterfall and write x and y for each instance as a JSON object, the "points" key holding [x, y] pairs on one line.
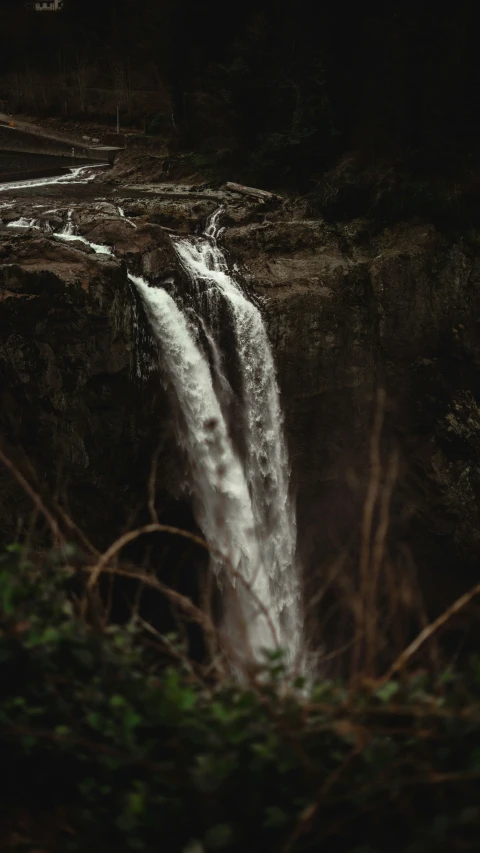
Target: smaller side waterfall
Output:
{"points": [[69, 227], [77, 175], [24, 223], [69, 232], [122, 215]]}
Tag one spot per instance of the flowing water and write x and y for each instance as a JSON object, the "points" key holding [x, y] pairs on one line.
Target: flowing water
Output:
{"points": [[77, 175], [23, 223], [240, 489], [69, 227], [270, 563], [222, 501]]}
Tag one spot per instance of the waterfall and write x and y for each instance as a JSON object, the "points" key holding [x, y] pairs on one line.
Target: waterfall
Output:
{"points": [[77, 175], [122, 215], [242, 500], [240, 486], [24, 223], [69, 227], [266, 462], [222, 501], [69, 232]]}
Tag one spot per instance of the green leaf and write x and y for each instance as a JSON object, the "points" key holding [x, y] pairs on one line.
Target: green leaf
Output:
{"points": [[132, 719], [447, 676], [84, 656], [62, 730], [193, 846], [188, 699], [218, 836], [387, 691], [474, 762], [96, 720], [137, 802], [275, 817], [126, 822]]}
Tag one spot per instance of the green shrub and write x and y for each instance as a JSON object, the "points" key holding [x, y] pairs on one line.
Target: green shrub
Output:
{"points": [[145, 757]]}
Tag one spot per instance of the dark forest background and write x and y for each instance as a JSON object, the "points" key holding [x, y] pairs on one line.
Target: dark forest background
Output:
{"points": [[345, 100]]}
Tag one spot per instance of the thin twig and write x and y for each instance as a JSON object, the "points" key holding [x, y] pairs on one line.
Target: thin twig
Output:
{"points": [[377, 556], [91, 746], [428, 632], [33, 495], [124, 540], [152, 482], [367, 522], [308, 815]]}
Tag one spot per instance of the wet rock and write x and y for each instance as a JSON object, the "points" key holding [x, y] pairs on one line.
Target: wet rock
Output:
{"points": [[72, 403], [349, 311], [127, 241]]}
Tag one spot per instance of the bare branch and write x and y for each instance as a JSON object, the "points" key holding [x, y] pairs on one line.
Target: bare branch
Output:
{"points": [[428, 632], [33, 495]]}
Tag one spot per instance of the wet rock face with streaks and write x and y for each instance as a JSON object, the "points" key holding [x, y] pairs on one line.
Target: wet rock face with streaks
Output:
{"points": [[349, 311], [71, 400]]}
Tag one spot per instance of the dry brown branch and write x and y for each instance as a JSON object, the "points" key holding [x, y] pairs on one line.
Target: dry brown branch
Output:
{"points": [[367, 522], [124, 540], [152, 481], [41, 506], [91, 746], [308, 815], [428, 632], [337, 652], [33, 495], [370, 713], [164, 642], [70, 524], [331, 573], [184, 604], [377, 558], [206, 594]]}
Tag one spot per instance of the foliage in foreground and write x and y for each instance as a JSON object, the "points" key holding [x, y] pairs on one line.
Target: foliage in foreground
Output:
{"points": [[125, 755]]}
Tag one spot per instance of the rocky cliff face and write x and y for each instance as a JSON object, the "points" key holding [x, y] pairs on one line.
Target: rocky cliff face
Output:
{"points": [[72, 401], [348, 310]]}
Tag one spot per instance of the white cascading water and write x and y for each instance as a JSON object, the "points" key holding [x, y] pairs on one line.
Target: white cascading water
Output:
{"points": [[24, 223], [122, 214], [265, 463], [222, 501], [242, 503], [69, 227], [77, 175], [69, 232]]}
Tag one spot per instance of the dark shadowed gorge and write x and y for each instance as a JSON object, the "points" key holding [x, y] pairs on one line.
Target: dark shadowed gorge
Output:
{"points": [[239, 427]]}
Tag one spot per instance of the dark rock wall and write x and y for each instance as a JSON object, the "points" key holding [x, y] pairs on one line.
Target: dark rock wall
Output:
{"points": [[71, 400], [349, 313]]}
